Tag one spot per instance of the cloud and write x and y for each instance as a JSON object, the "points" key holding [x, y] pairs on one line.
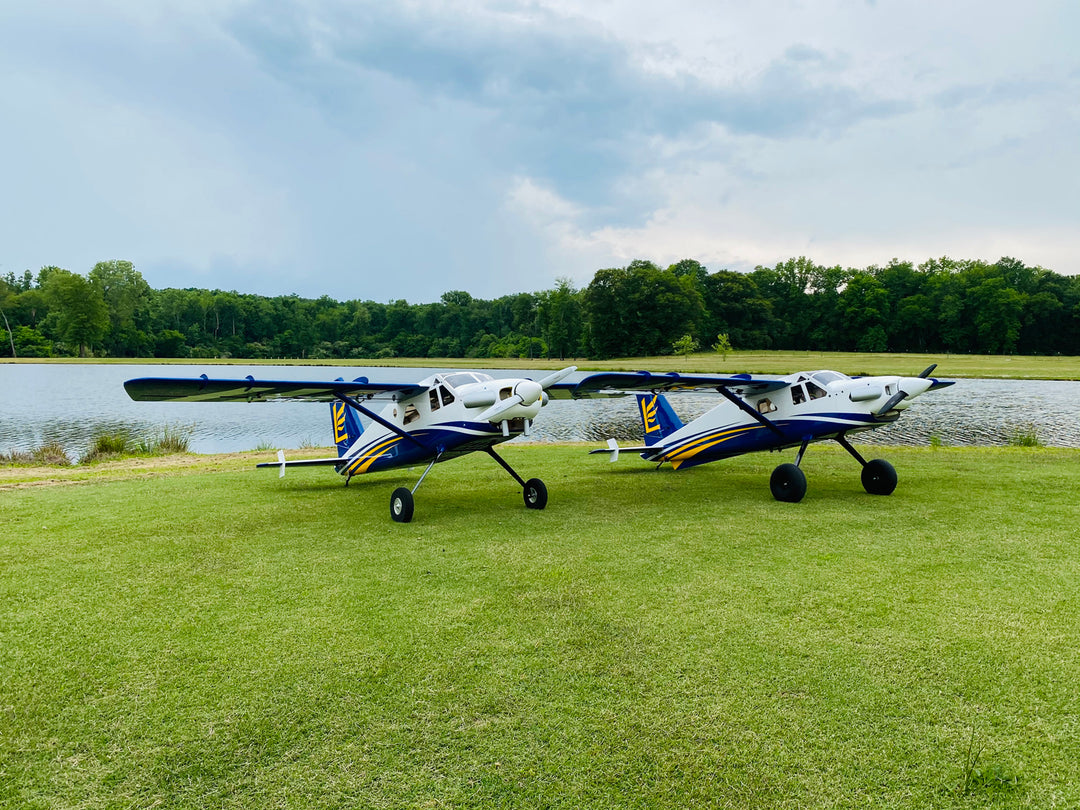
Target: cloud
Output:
{"points": [[388, 150]]}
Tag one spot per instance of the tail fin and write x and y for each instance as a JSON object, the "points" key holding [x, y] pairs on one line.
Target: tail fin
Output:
{"points": [[657, 418], [347, 427]]}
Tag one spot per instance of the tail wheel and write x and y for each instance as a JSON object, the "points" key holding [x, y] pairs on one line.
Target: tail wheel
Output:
{"points": [[401, 505], [879, 477], [788, 483], [535, 494]]}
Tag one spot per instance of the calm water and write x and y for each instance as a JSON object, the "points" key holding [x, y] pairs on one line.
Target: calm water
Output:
{"points": [[73, 403]]}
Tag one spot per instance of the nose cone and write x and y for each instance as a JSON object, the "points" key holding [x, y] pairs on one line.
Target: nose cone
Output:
{"points": [[912, 386], [529, 391]]}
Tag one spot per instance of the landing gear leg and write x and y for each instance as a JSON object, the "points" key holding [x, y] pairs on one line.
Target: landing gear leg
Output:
{"points": [[788, 481], [878, 475], [401, 501], [533, 490]]}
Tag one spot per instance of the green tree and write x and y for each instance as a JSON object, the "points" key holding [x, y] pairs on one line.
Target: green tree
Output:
{"points": [[78, 308], [639, 310], [684, 346], [559, 315], [722, 346], [127, 299]]}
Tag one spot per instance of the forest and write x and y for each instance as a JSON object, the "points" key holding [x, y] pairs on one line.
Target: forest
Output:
{"points": [[941, 305]]}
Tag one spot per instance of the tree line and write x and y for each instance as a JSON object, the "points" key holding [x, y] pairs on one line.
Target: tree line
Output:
{"points": [[942, 305]]}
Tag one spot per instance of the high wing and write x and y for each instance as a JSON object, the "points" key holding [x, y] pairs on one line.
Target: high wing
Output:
{"points": [[619, 383], [248, 389]]}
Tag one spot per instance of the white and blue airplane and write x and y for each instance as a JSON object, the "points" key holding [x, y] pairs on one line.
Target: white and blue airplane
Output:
{"points": [[439, 418], [764, 413]]}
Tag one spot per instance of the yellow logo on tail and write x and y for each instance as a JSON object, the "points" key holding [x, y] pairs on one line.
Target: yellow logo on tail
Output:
{"points": [[648, 415], [341, 434]]}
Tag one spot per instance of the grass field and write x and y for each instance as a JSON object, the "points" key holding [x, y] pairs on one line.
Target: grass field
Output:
{"points": [[951, 365], [174, 638]]}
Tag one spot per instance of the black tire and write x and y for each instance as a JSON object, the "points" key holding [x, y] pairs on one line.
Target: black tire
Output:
{"points": [[879, 477], [788, 483], [401, 505], [535, 494]]}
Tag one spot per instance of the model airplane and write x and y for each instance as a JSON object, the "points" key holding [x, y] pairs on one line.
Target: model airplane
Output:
{"points": [[439, 418], [765, 414]]}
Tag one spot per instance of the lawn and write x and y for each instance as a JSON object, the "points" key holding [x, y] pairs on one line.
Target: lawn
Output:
{"points": [[175, 638]]}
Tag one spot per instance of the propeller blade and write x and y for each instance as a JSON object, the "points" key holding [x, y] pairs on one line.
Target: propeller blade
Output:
{"points": [[557, 376], [926, 372], [894, 400]]}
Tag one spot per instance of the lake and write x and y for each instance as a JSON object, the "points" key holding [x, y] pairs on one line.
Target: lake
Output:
{"points": [[74, 403]]}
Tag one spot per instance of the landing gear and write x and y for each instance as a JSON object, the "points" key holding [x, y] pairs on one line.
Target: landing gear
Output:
{"points": [[788, 483], [879, 477], [533, 491], [535, 494], [401, 505]]}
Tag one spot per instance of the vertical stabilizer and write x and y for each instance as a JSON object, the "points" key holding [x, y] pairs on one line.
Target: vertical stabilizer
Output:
{"points": [[347, 427], [658, 420]]}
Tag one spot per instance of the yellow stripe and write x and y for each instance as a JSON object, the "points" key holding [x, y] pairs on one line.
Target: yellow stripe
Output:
{"points": [[680, 456], [361, 464]]}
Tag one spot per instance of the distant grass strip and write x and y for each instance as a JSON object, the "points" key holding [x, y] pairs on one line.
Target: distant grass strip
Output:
{"points": [[1018, 367], [651, 639]]}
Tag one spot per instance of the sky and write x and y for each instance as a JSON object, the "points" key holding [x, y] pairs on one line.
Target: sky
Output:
{"points": [[386, 150]]}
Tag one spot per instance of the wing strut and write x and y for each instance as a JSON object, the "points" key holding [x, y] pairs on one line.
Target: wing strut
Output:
{"points": [[743, 406], [351, 402]]}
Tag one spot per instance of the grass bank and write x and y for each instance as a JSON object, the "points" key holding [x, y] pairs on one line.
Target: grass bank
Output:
{"points": [[951, 365], [651, 639]]}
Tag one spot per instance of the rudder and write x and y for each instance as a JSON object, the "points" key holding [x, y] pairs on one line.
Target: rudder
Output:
{"points": [[658, 420], [347, 427]]}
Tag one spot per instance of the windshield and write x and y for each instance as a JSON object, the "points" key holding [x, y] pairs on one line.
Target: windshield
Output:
{"points": [[465, 378], [826, 377]]}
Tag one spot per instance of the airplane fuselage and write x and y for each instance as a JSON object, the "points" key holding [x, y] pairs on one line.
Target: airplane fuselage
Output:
{"points": [[815, 406], [444, 421]]}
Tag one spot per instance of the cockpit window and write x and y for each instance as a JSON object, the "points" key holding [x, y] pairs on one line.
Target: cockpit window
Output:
{"points": [[798, 396], [823, 378], [447, 397], [465, 378], [815, 391], [433, 399]]}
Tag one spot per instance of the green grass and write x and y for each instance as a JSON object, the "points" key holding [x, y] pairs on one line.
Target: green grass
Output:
{"points": [[756, 362], [651, 639]]}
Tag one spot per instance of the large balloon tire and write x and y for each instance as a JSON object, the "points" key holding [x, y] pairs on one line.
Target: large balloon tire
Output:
{"points": [[788, 483], [535, 494], [401, 505], [879, 477]]}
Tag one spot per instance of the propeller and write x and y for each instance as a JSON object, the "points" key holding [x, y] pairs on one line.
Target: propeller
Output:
{"points": [[894, 400], [526, 392], [916, 384]]}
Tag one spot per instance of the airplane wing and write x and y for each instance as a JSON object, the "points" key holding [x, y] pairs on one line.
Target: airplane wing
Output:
{"points": [[619, 383], [248, 389]]}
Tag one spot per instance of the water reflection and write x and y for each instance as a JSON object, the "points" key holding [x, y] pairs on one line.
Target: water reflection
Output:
{"points": [[72, 404]]}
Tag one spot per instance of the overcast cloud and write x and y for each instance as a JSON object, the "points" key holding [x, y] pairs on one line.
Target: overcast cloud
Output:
{"points": [[398, 150]]}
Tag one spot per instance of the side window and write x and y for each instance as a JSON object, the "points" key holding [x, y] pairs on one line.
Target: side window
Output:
{"points": [[798, 396], [447, 397], [411, 414], [816, 392], [433, 399]]}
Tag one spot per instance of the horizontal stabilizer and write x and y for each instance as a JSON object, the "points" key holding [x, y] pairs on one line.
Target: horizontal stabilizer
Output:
{"points": [[303, 462], [613, 450]]}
